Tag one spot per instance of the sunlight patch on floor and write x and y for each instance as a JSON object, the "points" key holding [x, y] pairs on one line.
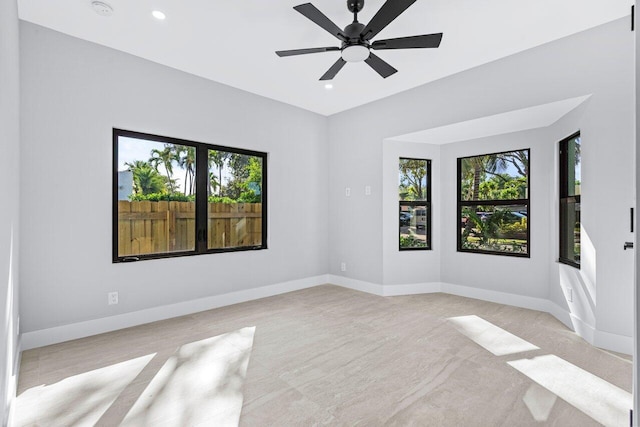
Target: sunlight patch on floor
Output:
{"points": [[489, 336], [601, 400], [201, 384], [539, 401], [79, 400]]}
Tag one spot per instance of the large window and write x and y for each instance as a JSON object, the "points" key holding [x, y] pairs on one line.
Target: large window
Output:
{"points": [[174, 197], [493, 203], [414, 188], [570, 200]]}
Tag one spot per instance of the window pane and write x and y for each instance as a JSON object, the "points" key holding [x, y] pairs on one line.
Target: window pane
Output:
{"points": [[156, 197], [235, 200], [501, 229], [414, 226], [570, 231], [501, 176], [573, 167], [413, 179]]}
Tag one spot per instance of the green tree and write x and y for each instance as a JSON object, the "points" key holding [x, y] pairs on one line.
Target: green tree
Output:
{"points": [[166, 156], [146, 179], [239, 171], [503, 187], [475, 171], [413, 182], [252, 188]]}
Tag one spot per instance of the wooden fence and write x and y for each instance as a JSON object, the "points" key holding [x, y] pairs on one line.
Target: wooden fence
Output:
{"points": [[156, 227]]}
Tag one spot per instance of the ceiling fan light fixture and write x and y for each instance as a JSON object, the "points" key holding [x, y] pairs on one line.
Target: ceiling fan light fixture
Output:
{"points": [[355, 53]]}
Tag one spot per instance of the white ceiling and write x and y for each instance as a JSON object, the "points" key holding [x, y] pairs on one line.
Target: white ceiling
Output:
{"points": [[233, 41]]}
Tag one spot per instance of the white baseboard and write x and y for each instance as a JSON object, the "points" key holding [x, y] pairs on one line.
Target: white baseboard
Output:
{"points": [[412, 289], [87, 328], [613, 342], [385, 290], [560, 313], [582, 328], [523, 301], [356, 285]]}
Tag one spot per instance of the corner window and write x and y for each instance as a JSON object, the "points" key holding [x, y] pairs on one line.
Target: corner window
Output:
{"points": [[415, 204], [493, 203], [570, 171], [174, 197]]}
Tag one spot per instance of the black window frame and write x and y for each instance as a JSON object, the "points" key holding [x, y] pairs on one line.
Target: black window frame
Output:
{"points": [[473, 203], [201, 200], [419, 203], [564, 197]]}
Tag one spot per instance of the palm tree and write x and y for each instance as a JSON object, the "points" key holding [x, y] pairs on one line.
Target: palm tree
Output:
{"points": [[213, 183], [186, 157], [166, 156], [519, 160], [489, 225], [218, 158], [146, 179], [473, 169]]}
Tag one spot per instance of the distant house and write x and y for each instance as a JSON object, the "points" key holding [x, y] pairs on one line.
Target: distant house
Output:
{"points": [[125, 185]]}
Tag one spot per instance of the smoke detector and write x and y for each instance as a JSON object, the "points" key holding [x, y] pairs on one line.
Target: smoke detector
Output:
{"points": [[102, 8]]}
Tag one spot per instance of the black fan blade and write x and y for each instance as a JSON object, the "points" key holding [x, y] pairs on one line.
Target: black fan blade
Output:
{"points": [[305, 51], [331, 72], [387, 13], [381, 67], [424, 41], [311, 12]]}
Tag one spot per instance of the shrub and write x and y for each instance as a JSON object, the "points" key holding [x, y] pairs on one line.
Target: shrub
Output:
{"points": [[411, 242], [162, 197], [516, 230]]}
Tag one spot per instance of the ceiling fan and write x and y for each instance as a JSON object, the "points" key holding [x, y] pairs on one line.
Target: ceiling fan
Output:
{"points": [[356, 37]]}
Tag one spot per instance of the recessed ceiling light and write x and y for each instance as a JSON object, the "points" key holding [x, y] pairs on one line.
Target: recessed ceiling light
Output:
{"points": [[102, 8], [159, 15], [328, 86]]}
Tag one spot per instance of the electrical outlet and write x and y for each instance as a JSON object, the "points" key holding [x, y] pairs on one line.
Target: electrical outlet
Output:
{"points": [[113, 298], [569, 295], [343, 266], [367, 190], [347, 191]]}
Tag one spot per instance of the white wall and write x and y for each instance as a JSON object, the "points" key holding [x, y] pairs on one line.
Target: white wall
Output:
{"points": [[9, 223], [598, 62], [74, 92]]}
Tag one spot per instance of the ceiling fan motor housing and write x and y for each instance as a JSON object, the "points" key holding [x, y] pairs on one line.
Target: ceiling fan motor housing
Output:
{"points": [[352, 31]]}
